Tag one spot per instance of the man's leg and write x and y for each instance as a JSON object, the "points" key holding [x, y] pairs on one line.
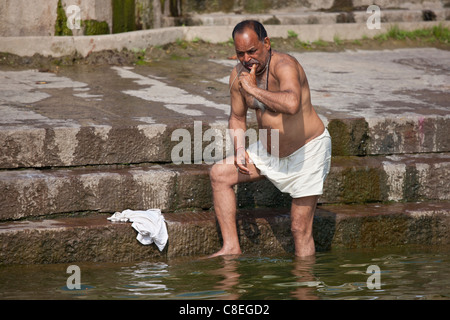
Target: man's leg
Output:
{"points": [[302, 216], [223, 177]]}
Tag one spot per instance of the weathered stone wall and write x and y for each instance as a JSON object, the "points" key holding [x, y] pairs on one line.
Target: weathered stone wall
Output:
{"points": [[265, 6], [18, 18], [22, 18]]}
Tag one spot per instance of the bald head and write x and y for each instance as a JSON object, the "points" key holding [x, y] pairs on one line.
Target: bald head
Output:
{"points": [[254, 25], [252, 45]]}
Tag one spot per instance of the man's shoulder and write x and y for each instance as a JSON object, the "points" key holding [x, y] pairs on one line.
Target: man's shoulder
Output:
{"points": [[283, 57], [236, 69], [284, 61]]}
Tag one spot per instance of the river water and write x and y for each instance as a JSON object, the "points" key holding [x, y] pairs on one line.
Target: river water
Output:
{"points": [[407, 273]]}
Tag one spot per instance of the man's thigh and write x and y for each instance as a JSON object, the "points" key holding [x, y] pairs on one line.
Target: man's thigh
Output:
{"points": [[305, 202]]}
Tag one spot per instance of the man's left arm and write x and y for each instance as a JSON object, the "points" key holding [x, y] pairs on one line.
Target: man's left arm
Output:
{"points": [[287, 99]]}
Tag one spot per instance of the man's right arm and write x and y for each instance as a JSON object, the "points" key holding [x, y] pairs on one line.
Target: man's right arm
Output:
{"points": [[238, 123]]}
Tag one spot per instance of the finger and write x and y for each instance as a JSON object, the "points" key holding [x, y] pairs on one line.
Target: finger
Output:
{"points": [[253, 71], [243, 169], [243, 75], [241, 165], [247, 158]]}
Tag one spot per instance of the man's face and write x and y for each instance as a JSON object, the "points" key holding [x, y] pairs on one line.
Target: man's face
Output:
{"points": [[250, 50]]}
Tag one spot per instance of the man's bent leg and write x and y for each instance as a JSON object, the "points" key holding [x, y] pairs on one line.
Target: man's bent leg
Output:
{"points": [[302, 216], [223, 177]]}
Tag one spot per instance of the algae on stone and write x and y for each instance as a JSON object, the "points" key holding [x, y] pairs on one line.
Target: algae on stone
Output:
{"points": [[61, 28]]}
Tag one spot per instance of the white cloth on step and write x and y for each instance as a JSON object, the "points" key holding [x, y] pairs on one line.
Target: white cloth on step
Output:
{"points": [[149, 224]]}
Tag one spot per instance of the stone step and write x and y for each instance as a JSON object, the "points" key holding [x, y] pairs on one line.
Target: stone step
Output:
{"points": [[93, 238], [108, 115], [415, 177], [390, 135], [171, 188], [27, 193], [305, 17], [60, 146]]}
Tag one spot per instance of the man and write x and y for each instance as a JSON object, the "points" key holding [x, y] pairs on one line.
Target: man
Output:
{"points": [[274, 85]]}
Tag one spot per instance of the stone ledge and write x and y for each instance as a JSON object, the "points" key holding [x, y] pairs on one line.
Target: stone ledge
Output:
{"points": [[139, 40], [95, 239], [35, 147], [309, 17], [28, 193]]}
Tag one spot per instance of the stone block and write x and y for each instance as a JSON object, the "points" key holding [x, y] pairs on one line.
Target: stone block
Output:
{"points": [[93, 238]]}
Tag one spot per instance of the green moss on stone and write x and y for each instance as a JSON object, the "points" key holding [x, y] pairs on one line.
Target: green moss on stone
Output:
{"points": [[61, 28], [411, 184], [349, 137], [257, 6], [363, 185], [123, 16], [94, 27]]}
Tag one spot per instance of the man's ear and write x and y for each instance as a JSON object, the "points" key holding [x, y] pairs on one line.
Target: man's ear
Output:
{"points": [[267, 43]]}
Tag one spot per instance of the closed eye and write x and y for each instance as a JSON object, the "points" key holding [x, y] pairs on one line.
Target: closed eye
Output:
{"points": [[252, 51]]}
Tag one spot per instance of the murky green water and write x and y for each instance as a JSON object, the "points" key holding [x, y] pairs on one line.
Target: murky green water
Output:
{"points": [[404, 273]]}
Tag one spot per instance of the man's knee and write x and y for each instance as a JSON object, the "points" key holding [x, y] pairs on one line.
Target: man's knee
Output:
{"points": [[219, 174], [301, 228], [302, 216]]}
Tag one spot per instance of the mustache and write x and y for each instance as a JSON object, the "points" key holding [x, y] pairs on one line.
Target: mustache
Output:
{"points": [[249, 64]]}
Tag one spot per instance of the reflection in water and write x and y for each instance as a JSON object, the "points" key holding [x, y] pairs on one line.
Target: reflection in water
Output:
{"points": [[229, 273], [339, 274], [303, 270], [145, 279], [235, 277]]}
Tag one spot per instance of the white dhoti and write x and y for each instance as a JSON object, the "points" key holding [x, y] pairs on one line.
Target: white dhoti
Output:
{"points": [[301, 173]]}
